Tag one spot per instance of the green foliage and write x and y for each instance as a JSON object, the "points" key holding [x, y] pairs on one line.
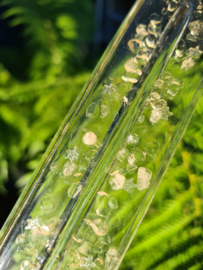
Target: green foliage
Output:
{"points": [[57, 31], [56, 36], [170, 236]]}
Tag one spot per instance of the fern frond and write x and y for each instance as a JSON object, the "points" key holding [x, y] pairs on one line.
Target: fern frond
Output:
{"points": [[162, 234], [179, 247]]}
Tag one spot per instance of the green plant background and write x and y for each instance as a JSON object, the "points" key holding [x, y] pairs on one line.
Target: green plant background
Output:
{"points": [[40, 79]]}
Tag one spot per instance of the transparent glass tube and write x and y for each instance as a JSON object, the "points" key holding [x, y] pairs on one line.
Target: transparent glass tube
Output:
{"points": [[93, 186]]}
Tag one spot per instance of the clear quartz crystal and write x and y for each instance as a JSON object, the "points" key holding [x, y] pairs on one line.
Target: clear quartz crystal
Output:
{"points": [[88, 196]]}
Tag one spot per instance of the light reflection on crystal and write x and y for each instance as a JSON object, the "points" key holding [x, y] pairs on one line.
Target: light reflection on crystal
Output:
{"points": [[112, 202]]}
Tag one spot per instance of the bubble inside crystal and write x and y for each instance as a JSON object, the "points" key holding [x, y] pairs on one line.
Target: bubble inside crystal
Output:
{"points": [[179, 53], [102, 206], [159, 83], [156, 19], [112, 202], [172, 6], [47, 204], [92, 110], [154, 28], [144, 54], [134, 43], [151, 41], [158, 104]]}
